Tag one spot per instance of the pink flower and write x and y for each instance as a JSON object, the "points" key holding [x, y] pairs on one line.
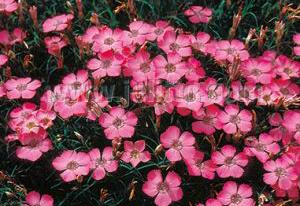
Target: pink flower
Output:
{"points": [[2, 90], [197, 167], [21, 88], [107, 64], [118, 123], [100, 164], [179, 145], [165, 191], [3, 59], [285, 88], [279, 172], [233, 194], [208, 120], [200, 41], [296, 39], [158, 31], [242, 93], [214, 93], [72, 165], [54, 44], [228, 50], [287, 68], [257, 71], [57, 23], [266, 96], [233, 119], [164, 100], [33, 145], [34, 198], [171, 69], [198, 14], [45, 118], [213, 202], [194, 70], [97, 102], [8, 39], [262, 148], [8, 6], [230, 164], [138, 32], [134, 152], [178, 44], [291, 121]]}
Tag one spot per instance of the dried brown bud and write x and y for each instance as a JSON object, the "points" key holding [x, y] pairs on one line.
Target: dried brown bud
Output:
{"points": [[94, 19], [279, 31], [33, 15], [235, 22], [158, 150]]}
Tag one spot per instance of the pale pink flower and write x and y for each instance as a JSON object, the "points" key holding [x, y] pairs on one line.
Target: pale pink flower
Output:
{"points": [[164, 100], [228, 50], [72, 165], [90, 34], [171, 69], [296, 39], [229, 163], [197, 167], [194, 70], [138, 32], [134, 152], [198, 14], [19, 114], [234, 119], [2, 90], [107, 39], [33, 145], [243, 93], [139, 67], [207, 120], [3, 59], [21, 88], [158, 30], [233, 194], [179, 145], [118, 123], [214, 93], [50, 97], [57, 23], [34, 198], [188, 96], [30, 124], [178, 44], [286, 68], [165, 191], [257, 71], [262, 148], [144, 91], [102, 163], [266, 96], [8, 6], [200, 41], [54, 44], [45, 118], [291, 121], [279, 172], [285, 88], [107, 64]]}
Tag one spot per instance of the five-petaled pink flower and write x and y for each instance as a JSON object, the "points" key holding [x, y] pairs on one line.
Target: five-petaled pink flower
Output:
{"points": [[165, 191], [34, 198], [180, 146], [102, 163], [229, 50], [8, 6], [72, 165], [229, 163], [233, 119], [57, 23], [118, 123], [3, 59], [134, 152], [233, 194], [198, 14], [21, 88], [33, 145]]}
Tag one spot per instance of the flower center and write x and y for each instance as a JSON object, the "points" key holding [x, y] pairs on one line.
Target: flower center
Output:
{"points": [[76, 85], [30, 125], [244, 93], [212, 94], [144, 67], [70, 102], [174, 47], [72, 165], [170, 68], [229, 161], [105, 64], [100, 162], [285, 91], [208, 120], [230, 51], [118, 123], [135, 154], [134, 33], [177, 145], [236, 199], [163, 187], [256, 72], [190, 97], [158, 31], [109, 41], [21, 87], [280, 172], [234, 119], [260, 147], [33, 143], [298, 127], [267, 98], [287, 71]]}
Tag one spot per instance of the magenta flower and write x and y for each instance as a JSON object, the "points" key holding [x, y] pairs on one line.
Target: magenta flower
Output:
{"points": [[134, 152], [279, 172], [100, 164], [243, 93], [8, 6], [233, 194], [233, 119], [107, 64], [54, 44], [33, 145], [72, 165], [21, 88], [296, 39], [194, 70], [3, 60], [229, 163], [214, 93], [171, 69], [34, 198], [118, 123], [180, 146], [178, 44], [165, 191], [198, 14], [228, 50], [286, 68], [57, 23], [7, 39]]}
